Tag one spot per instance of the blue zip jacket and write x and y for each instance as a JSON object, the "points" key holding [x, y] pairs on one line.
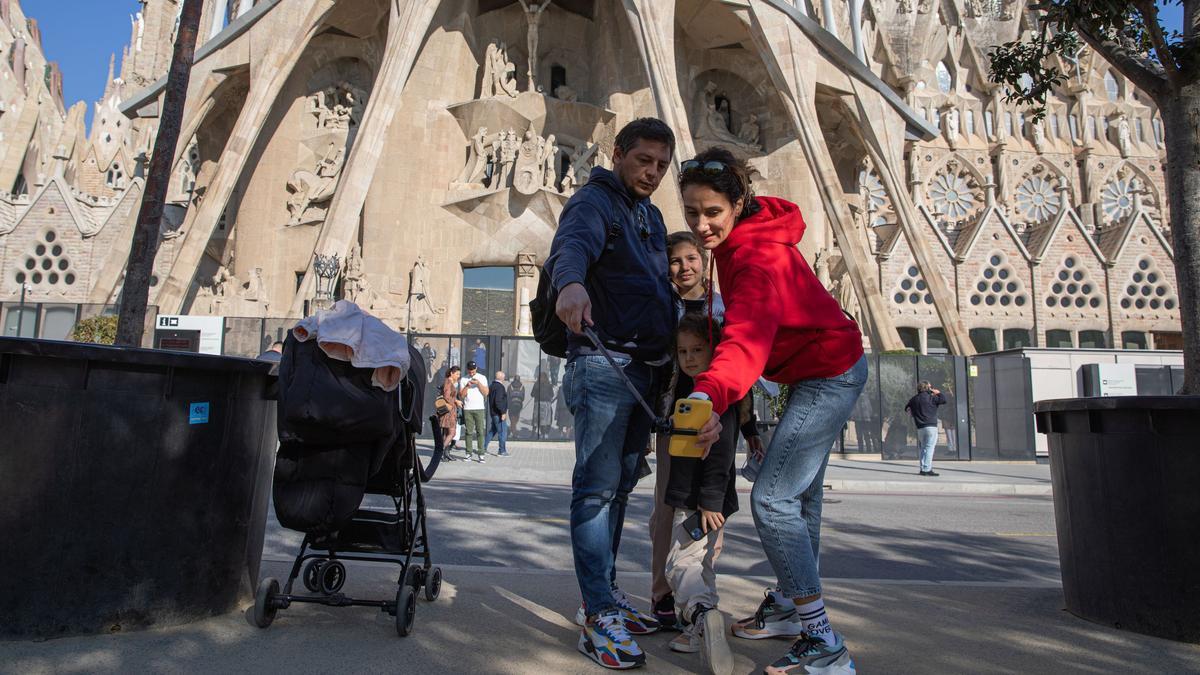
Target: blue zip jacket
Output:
{"points": [[617, 248]]}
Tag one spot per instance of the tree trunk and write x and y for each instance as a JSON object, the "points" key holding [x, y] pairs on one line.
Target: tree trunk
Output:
{"points": [[1181, 119], [136, 291]]}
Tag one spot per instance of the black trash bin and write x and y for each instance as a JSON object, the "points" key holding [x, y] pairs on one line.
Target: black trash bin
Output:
{"points": [[134, 486], [1126, 477]]}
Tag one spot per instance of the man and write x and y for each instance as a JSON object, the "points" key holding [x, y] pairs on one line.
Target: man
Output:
{"points": [[498, 414], [273, 353], [480, 353], [608, 264], [473, 391], [923, 408]]}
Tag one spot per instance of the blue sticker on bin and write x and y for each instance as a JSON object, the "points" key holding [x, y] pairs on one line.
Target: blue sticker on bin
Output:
{"points": [[198, 413]]}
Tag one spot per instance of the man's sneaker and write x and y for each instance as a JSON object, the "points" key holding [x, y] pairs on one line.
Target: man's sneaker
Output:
{"points": [[605, 641], [811, 656], [709, 629], [648, 623], [771, 619], [664, 612]]}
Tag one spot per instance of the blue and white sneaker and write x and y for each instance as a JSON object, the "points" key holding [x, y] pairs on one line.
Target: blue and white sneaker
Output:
{"points": [[604, 640], [771, 619], [636, 622], [811, 656]]}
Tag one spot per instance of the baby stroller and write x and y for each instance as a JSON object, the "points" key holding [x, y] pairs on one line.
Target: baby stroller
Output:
{"points": [[342, 437]]}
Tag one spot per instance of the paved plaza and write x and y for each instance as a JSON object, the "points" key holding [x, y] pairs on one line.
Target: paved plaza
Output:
{"points": [[922, 577]]}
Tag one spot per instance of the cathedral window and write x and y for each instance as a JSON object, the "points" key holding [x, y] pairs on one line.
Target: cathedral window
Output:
{"points": [[1008, 122], [1054, 126], [1016, 338], [1037, 200], [1147, 289], [1058, 338], [115, 178], [1116, 199], [984, 339], [911, 289], [1111, 87], [1074, 125], [1020, 124], [1134, 339], [999, 285], [969, 122], [1140, 128], [46, 264], [558, 77], [1073, 287], [988, 123], [1092, 339], [1091, 127], [1158, 131], [944, 80]]}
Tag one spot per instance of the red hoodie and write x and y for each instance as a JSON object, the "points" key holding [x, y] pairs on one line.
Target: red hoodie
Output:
{"points": [[780, 321]]}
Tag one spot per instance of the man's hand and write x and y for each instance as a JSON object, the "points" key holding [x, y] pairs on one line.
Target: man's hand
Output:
{"points": [[936, 391], [574, 307], [754, 443], [711, 520], [504, 417], [709, 433]]}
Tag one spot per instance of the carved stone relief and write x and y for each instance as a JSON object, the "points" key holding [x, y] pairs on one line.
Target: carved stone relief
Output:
{"points": [[713, 124], [334, 113]]}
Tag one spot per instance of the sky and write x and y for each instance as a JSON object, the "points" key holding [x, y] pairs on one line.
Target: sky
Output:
{"points": [[82, 34]]}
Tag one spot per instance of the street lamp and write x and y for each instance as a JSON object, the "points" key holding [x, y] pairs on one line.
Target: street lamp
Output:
{"points": [[327, 268], [25, 288]]}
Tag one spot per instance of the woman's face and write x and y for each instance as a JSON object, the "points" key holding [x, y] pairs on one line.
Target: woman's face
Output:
{"points": [[709, 214], [687, 267], [694, 354]]}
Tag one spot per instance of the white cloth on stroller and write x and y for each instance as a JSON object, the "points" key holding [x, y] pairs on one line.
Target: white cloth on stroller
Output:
{"points": [[347, 333]]}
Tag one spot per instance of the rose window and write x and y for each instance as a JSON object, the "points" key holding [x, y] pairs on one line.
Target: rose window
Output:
{"points": [[1073, 287], [952, 196], [912, 289], [1147, 289], [1117, 199], [999, 285], [872, 187], [1037, 199]]}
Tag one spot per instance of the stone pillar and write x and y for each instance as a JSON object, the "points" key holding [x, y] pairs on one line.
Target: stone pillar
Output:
{"points": [[856, 36], [220, 10], [653, 23], [271, 75], [525, 291], [827, 16], [407, 25], [775, 36]]}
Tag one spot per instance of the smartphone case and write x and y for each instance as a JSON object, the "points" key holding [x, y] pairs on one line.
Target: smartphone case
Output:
{"points": [[692, 414]]}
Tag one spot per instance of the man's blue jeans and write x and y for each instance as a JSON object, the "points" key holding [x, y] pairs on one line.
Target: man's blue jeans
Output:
{"points": [[611, 434], [498, 428], [926, 442], [786, 499]]}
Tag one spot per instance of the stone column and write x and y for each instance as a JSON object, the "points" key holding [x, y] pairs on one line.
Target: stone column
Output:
{"points": [[220, 9], [860, 50], [271, 75], [407, 25], [775, 36], [653, 23]]}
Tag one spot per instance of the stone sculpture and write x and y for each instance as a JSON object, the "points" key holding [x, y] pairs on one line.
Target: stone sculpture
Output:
{"points": [[478, 154], [421, 307], [354, 281], [498, 72], [550, 152], [750, 130], [533, 16], [223, 280], [565, 93], [712, 126], [338, 107], [1124, 140], [530, 172], [1037, 132], [950, 128], [313, 187]]}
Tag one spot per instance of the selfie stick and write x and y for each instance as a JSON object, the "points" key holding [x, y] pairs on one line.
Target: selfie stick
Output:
{"points": [[662, 425]]}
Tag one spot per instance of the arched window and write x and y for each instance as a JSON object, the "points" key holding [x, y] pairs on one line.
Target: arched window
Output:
{"points": [[1092, 339], [1111, 86], [558, 77], [944, 80], [1059, 339], [984, 339]]}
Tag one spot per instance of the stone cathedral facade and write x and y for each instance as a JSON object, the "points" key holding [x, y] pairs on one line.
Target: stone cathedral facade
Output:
{"points": [[417, 139]]}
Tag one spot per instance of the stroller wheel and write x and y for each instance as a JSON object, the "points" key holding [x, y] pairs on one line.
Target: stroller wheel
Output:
{"points": [[264, 602], [433, 583], [412, 576], [406, 610], [333, 576], [312, 574]]}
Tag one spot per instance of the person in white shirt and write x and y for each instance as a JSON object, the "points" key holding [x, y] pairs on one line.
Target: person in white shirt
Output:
{"points": [[473, 391]]}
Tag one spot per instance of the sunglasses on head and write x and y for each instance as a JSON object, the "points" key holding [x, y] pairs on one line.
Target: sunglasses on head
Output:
{"points": [[710, 168]]}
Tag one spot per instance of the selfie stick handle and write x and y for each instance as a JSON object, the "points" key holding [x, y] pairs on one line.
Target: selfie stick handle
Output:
{"points": [[660, 424]]}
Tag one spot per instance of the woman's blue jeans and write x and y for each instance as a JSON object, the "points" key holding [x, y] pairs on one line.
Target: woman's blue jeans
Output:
{"points": [[611, 435], [786, 499]]}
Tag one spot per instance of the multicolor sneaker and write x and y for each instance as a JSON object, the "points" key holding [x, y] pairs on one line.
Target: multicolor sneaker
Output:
{"points": [[811, 656], [664, 611], [605, 641], [771, 619], [635, 621], [709, 629]]}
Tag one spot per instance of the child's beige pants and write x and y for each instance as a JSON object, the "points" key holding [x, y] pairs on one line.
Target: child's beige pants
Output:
{"points": [[690, 567]]}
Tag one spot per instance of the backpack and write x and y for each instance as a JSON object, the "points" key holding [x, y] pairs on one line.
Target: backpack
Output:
{"points": [[548, 330]]}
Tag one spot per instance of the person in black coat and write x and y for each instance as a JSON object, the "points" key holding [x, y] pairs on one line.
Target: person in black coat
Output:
{"points": [[498, 415], [923, 408]]}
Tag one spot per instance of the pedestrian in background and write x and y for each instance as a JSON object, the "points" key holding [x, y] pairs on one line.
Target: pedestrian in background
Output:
{"points": [[473, 391], [498, 415], [923, 408], [448, 419]]}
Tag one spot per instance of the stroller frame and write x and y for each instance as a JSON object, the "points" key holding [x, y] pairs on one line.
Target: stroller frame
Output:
{"points": [[324, 572]]}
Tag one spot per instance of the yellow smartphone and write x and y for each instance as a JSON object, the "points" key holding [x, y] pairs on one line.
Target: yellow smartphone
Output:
{"points": [[692, 414]]}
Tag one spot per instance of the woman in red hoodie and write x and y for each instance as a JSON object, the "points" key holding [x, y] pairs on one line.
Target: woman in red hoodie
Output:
{"points": [[780, 323]]}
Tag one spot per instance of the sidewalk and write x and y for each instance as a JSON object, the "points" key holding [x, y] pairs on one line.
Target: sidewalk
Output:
{"points": [[551, 462]]}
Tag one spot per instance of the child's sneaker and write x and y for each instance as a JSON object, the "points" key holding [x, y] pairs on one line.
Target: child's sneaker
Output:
{"points": [[811, 656], [664, 611], [771, 619], [709, 630], [686, 642], [605, 641]]}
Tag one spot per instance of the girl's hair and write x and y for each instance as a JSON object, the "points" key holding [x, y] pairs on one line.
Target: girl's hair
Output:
{"points": [[733, 182], [686, 238], [697, 324]]}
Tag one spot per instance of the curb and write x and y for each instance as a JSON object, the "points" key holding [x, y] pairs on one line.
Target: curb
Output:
{"points": [[935, 487]]}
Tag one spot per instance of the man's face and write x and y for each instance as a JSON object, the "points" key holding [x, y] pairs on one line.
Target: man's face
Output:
{"points": [[471, 372], [643, 167]]}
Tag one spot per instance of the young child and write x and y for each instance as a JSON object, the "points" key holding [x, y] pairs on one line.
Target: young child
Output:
{"points": [[706, 485]]}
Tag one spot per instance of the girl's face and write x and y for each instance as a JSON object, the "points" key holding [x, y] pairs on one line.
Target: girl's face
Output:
{"points": [[709, 214], [694, 354], [687, 267]]}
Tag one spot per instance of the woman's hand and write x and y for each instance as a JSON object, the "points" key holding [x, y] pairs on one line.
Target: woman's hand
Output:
{"points": [[711, 520], [709, 433], [754, 443]]}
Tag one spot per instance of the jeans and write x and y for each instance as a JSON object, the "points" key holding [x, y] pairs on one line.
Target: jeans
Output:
{"points": [[475, 422], [926, 441], [611, 433], [498, 428], [786, 499]]}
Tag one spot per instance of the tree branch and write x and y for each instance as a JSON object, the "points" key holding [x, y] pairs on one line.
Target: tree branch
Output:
{"points": [[1149, 13], [1132, 67]]}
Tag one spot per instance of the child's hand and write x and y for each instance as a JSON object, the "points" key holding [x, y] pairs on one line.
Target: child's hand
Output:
{"points": [[711, 520], [756, 447]]}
